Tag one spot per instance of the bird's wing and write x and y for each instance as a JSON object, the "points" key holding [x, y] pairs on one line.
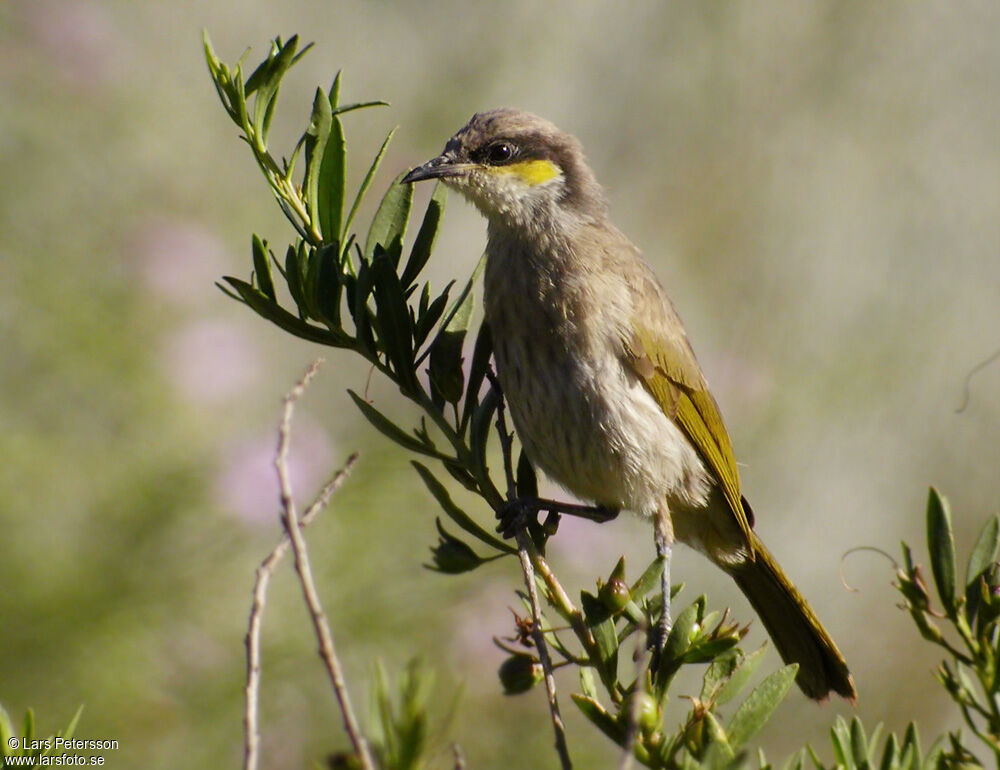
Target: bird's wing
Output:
{"points": [[659, 352]]}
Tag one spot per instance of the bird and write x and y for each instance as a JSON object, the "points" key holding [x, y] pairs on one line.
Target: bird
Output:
{"points": [[601, 382]]}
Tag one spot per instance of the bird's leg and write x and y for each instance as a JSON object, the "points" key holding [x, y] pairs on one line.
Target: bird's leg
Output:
{"points": [[516, 513], [663, 529]]}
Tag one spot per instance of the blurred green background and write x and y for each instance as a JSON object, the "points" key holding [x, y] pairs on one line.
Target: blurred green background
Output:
{"points": [[817, 184]]}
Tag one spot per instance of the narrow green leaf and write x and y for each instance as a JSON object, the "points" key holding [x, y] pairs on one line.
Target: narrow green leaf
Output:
{"points": [[740, 677], [479, 432], [718, 673], [389, 429], [293, 277], [481, 353], [456, 514], [431, 315], [985, 552], [71, 727], [394, 318], [600, 718], [719, 752], [366, 183], [446, 350], [754, 712], [269, 82], [389, 223], [890, 754], [330, 187], [282, 318], [602, 627], [316, 138], [649, 579], [587, 682], [941, 546], [262, 267], [423, 244], [329, 284], [680, 634], [28, 730], [859, 743], [334, 94], [527, 481], [359, 106]]}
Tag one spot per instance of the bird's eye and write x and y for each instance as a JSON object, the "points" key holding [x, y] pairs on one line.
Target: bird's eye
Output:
{"points": [[499, 152]]}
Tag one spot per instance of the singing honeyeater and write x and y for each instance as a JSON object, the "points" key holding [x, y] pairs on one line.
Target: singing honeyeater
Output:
{"points": [[603, 387]]}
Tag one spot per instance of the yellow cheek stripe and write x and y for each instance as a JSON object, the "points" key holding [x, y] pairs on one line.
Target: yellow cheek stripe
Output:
{"points": [[531, 172]]}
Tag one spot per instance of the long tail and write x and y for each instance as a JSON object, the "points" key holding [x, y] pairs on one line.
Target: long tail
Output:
{"points": [[796, 631]]}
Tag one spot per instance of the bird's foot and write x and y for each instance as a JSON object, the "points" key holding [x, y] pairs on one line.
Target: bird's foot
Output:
{"points": [[519, 513]]}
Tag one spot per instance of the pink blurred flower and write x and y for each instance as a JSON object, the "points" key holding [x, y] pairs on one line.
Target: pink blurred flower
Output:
{"points": [[79, 37], [210, 361], [179, 261], [247, 485]]}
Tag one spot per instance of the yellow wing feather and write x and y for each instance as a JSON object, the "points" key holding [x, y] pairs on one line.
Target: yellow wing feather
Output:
{"points": [[670, 371]]}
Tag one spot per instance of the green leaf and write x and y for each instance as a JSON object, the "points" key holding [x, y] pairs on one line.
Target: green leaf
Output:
{"points": [[481, 353], [446, 350], [890, 754], [941, 545], [330, 185], [389, 429], [282, 318], [649, 579], [859, 743], [329, 285], [587, 682], [678, 642], [366, 182], [602, 627], [719, 672], [985, 552], [423, 244], [479, 432], [740, 677], [359, 106], [754, 712], [389, 223], [293, 277], [456, 514], [262, 267], [334, 94], [601, 719], [527, 481], [71, 727], [430, 316], [266, 80], [393, 317], [316, 138]]}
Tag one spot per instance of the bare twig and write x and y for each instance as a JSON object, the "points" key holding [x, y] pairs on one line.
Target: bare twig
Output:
{"points": [[251, 731], [526, 551], [293, 529]]}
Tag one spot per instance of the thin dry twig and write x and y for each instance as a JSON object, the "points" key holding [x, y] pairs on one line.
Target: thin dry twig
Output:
{"points": [[525, 551], [294, 540], [251, 730]]}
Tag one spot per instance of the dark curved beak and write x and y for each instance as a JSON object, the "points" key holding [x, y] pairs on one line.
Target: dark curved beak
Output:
{"points": [[437, 168]]}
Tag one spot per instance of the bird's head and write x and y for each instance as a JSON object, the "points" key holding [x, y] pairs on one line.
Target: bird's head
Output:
{"points": [[518, 169]]}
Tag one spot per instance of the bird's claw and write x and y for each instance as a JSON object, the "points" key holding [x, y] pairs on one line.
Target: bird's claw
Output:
{"points": [[515, 515]]}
